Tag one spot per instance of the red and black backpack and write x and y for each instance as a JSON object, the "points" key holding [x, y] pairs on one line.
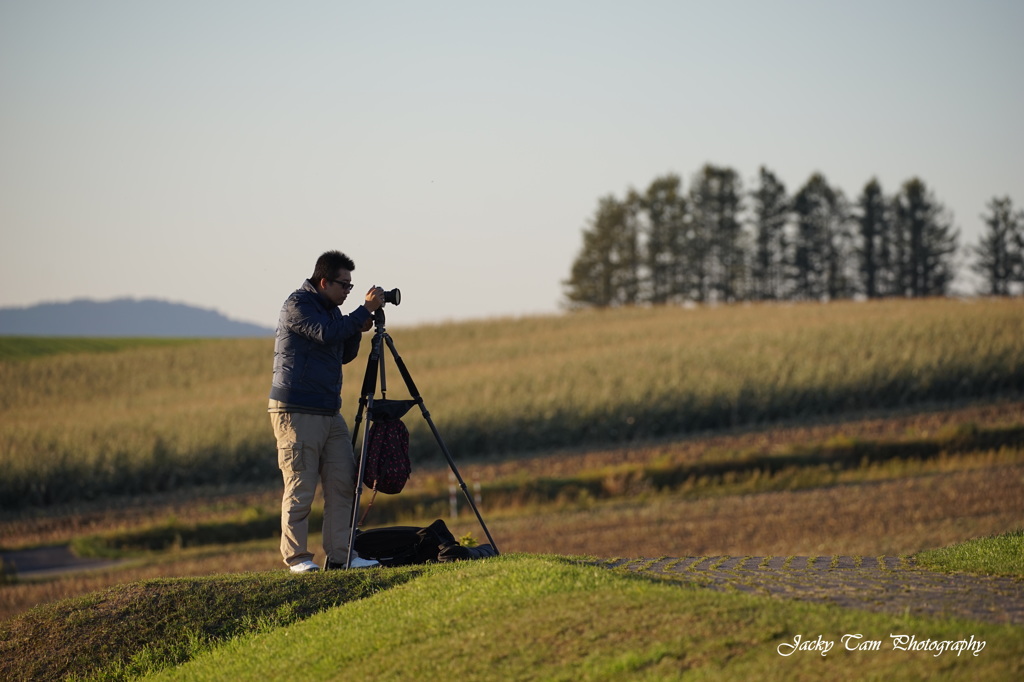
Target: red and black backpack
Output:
{"points": [[387, 466], [387, 457]]}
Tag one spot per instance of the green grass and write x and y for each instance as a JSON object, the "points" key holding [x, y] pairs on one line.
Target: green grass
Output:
{"points": [[999, 555], [132, 628], [512, 617], [521, 618]]}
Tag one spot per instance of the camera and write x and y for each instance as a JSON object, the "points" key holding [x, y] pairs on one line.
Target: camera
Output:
{"points": [[393, 297]]}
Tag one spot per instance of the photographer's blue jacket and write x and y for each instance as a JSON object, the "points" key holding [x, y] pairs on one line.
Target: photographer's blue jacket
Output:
{"points": [[313, 341]]}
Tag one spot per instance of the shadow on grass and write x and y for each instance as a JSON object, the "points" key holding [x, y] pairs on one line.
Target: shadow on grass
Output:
{"points": [[140, 627]]}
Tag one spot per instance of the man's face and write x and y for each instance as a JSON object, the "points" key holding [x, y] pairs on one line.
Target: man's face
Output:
{"points": [[336, 290]]}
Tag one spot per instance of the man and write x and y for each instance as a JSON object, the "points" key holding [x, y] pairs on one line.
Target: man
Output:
{"points": [[313, 340]]}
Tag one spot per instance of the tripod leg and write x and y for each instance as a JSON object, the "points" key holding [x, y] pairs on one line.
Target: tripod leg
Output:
{"points": [[373, 364], [360, 470], [458, 476], [414, 392], [369, 384]]}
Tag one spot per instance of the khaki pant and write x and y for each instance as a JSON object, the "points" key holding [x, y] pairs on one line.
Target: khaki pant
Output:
{"points": [[310, 448]]}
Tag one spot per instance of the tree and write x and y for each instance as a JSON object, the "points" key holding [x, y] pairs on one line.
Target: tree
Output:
{"points": [[876, 258], [822, 247], [770, 207], [925, 242], [662, 245], [664, 225], [1000, 251], [716, 249], [606, 271]]}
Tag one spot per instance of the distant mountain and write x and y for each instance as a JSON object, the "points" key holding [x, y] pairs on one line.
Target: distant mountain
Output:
{"points": [[123, 317]]}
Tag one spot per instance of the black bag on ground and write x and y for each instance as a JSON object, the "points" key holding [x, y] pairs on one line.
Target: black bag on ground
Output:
{"points": [[457, 552], [404, 545]]}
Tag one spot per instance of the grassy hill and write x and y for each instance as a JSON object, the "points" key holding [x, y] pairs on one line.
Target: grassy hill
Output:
{"points": [[513, 617]]}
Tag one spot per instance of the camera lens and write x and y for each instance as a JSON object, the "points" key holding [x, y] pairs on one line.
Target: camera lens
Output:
{"points": [[393, 297]]}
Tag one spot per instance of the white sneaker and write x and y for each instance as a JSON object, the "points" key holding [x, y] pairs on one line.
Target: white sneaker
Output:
{"points": [[304, 567], [357, 562]]}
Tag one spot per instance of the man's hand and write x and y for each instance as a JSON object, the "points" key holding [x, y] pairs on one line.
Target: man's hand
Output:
{"points": [[374, 299]]}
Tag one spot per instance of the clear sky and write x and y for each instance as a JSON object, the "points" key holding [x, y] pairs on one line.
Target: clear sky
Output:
{"points": [[206, 152]]}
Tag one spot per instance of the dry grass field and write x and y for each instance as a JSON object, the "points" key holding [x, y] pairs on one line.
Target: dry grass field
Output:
{"points": [[147, 419]]}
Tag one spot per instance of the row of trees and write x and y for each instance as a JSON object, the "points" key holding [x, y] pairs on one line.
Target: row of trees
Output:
{"points": [[717, 242]]}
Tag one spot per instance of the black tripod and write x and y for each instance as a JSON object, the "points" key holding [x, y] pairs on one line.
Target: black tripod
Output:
{"points": [[395, 409]]}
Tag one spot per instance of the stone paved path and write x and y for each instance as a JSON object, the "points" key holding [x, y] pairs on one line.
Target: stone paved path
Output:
{"points": [[885, 584]]}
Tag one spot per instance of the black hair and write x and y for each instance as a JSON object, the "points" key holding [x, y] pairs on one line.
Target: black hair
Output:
{"points": [[328, 264]]}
